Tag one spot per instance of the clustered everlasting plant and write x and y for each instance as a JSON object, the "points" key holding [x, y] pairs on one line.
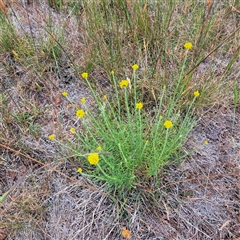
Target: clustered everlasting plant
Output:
{"points": [[120, 143], [129, 131], [80, 113], [188, 45], [64, 94]]}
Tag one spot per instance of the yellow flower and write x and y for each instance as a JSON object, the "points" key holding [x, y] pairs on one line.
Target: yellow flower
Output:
{"points": [[64, 94], [72, 130], [99, 148], [93, 158], [124, 83], [168, 124], [112, 72], [160, 116], [84, 75], [206, 142], [139, 105], [80, 113], [164, 87], [79, 170], [83, 100], [51, 137], [196, 94], [105, 96], [147, 141], [135, 67], [188, 45]]}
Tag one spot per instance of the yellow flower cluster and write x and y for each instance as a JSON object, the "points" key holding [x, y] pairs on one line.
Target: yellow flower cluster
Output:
{"points": [[168, 124], [80, 113], [72, 130], [196, 94], [124, 83], [51, 137], [139, 105], [93, 158], [83, 100], [135, 67], [99, 148], [64, 94], [85, 75], [188, 45]]}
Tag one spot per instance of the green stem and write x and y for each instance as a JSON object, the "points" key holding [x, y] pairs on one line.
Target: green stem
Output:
{"points": [[144, 147], [107, 176], [125, 159], [140, 124], [156, 164], [117, 96], [179, 79], [134, 87], [126, 104]]}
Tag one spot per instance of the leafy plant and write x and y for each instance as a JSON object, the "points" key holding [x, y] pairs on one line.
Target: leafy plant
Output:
{"points": [[121, 140]]}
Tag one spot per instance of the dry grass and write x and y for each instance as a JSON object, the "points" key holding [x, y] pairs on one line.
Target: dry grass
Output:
{"points": [[197, 199]]}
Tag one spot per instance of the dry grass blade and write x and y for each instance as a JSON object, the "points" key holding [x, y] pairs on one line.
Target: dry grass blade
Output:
{"points": [[3, 7]]}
